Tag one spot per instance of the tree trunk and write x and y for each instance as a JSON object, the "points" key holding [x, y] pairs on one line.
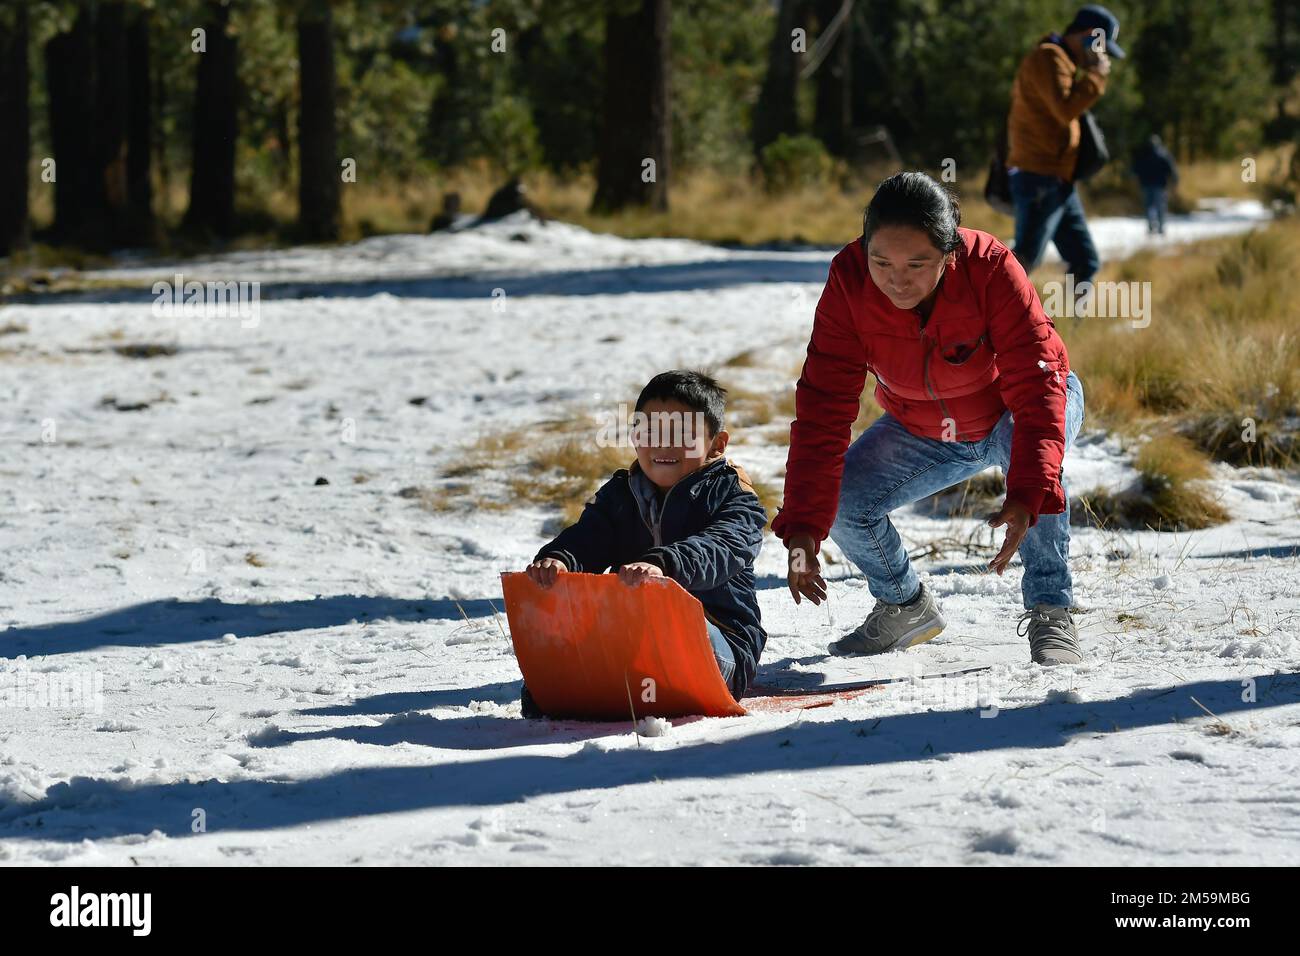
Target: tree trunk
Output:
{"points": [[318, 163], [15, 124], [637, 111], [111, 112], [284, 147], [159, 137], [775, 113], [216, 126], [1283, 68], [443, 145], [70, 83], [834, 102], [139, 136], [1284, 63]]}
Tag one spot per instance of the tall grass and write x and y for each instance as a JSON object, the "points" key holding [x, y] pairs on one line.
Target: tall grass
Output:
{"points": [[1114, 191], [1168, 496], [556, 465], [1219, 362], [729, 206]]}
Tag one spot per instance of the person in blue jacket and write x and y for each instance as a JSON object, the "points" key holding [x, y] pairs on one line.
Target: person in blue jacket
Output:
{"points": [[683, 511], [1155, 170]]}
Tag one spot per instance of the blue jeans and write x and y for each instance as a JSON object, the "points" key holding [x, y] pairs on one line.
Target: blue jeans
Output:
{"points": [[1156, 200], [888, 467], [722, 653], [1050, 208]]}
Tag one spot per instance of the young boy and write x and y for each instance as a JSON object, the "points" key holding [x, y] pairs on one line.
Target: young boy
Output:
{"points": [[681, 511]]}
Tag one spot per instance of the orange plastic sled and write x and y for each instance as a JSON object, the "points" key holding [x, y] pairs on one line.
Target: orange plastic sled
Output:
{"points": [[593, 648]]}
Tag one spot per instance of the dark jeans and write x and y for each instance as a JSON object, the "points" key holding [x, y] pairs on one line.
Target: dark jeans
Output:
{"points": [[1156, 200], [1049, 208]]}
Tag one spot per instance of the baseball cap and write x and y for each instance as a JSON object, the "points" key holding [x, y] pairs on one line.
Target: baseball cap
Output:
{"points": [[1093, 17]]}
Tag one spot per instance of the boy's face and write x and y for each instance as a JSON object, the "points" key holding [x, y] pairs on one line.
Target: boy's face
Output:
{"points": [[673, 441]]}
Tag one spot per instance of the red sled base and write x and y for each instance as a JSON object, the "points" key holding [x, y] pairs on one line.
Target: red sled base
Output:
{"points": [[593, 648]]}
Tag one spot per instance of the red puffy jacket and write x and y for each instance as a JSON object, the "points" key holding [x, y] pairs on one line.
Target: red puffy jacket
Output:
{"points": [[988, 346]]}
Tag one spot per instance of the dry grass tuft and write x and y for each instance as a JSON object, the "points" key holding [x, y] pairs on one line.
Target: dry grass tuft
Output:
{"points": [[770, 495], [1168, 495], [1219, 362]]}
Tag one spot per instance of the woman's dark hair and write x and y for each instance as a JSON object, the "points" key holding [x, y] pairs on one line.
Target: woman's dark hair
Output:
{"points": [[915, 200], [695, 390]]}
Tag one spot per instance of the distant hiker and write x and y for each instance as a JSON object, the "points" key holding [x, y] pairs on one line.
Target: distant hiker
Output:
{"points": [[1155, 170], [681, 511], [971, 373], [1044, 134], [507, 200], [449, 214]]}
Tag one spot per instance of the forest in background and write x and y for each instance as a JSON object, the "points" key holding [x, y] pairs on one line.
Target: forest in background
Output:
{"points": [[289, 105]]}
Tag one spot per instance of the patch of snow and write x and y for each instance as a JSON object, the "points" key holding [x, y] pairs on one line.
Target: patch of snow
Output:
{"points": [[371, 634]]}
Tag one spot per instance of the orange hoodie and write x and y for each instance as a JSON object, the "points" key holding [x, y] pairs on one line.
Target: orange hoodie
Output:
{"points": [[1046, 103]]}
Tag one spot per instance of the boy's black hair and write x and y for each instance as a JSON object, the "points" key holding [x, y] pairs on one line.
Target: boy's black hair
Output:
{"points": [[695, 390]]}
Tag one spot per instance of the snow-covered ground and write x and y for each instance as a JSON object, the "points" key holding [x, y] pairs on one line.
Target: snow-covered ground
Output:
{"points": [[275, 671]]}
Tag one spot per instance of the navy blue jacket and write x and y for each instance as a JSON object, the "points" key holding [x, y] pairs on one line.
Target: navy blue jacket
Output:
{"points": [[710, 530], [1154, 166]]}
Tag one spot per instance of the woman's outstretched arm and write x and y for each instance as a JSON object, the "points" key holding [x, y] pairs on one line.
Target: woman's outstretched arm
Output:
{"points": [[827, 399], [1032, 366]]}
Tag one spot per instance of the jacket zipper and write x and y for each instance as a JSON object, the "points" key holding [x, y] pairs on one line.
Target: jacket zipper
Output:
{"points": [[654, 538], [654, 535], [925, 370], [663, 509]]}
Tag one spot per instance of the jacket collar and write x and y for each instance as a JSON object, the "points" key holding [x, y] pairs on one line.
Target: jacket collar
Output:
{"points": [[645, 492], [1059, 40]]}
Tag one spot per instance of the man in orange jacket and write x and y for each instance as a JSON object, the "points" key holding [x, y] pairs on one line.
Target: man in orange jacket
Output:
{"points": [[1047, 99]]}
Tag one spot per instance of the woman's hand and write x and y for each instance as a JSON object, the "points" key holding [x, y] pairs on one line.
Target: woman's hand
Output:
{"points": [[805, 574], [639, 571], [1016, 518], [545, 571]]}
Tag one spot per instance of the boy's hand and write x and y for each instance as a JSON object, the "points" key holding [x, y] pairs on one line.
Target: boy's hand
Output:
{"points": [[638, 571], [545, 571], [805, 574]]}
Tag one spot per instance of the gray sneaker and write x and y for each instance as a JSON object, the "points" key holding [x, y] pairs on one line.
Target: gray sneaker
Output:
{"points": [[893, 627], [1053, 638]]}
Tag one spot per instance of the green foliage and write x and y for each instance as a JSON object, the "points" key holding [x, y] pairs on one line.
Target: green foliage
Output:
{"points": [[509, 135], [794, 162], [381, 116], [558, 75], [719, 59], [268, 86], [940, 75], [1202, 73], [419, 84]]}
